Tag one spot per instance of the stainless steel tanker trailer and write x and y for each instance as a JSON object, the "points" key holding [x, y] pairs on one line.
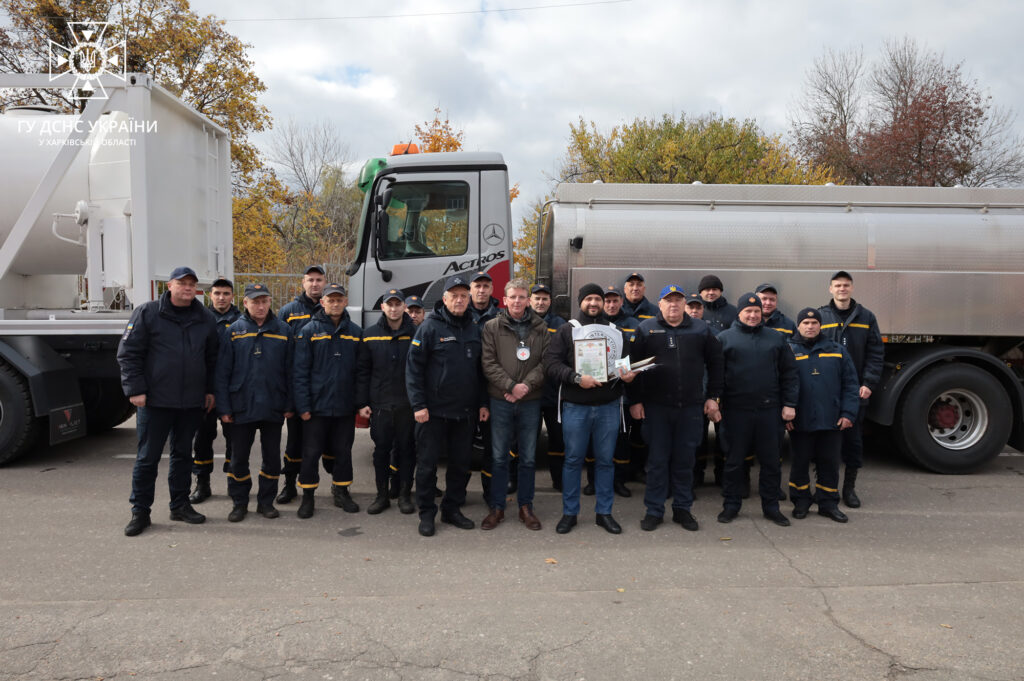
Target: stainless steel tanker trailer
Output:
{"points": [[942, 268], [95, 211]]}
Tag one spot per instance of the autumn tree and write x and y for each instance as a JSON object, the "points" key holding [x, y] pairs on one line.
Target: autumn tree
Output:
{"points": [[708, 149], [438, 135], [909, 118], [190, 55], [318, 218]]}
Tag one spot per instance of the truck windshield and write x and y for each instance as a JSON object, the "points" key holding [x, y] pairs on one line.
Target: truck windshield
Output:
{"points": [[427, 219]]}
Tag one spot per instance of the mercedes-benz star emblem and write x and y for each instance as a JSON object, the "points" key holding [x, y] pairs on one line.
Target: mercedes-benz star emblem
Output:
{"points": [[494, 234]]}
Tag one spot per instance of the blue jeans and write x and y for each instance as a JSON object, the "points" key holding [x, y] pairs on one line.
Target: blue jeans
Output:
{"points": [[673, 435], [583, 426], [513, 422], [153, 426]]}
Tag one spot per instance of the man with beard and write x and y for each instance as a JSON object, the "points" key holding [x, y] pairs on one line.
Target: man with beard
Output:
{"points": [[591, 410]]}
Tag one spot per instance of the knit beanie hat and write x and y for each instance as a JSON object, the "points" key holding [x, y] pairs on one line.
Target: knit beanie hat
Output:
{"points": [[589, 290], [710, 281]]}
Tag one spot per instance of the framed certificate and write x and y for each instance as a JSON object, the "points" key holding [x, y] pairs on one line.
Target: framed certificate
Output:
{"points": [[591, 356]]}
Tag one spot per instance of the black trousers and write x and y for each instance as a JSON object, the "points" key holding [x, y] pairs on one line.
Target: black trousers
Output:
{"points": [[240, 478], [438, 436], [154, 425], [556, 445], [853, 440], [293, 449], [392, 432], [820, 447], [756, 431], [202, 448], [332, 435]]}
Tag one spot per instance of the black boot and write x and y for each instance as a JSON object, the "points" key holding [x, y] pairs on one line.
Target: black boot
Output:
{"points": [[288, 491], [381, 501], [139, 522], [203, 491], [850, 497], [306, 507], [405, 504], [343, 500]]}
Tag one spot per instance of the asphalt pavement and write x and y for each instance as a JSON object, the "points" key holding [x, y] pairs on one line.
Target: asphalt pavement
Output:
{"points": [[923, 583]]}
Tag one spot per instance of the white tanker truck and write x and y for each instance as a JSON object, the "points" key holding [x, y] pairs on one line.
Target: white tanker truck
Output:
{"points": [[95, 211], [942, 268]]}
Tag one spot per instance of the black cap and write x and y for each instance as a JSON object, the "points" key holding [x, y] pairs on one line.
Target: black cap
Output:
{"points": [[612, 290], [454, 281], [841, 274], [710, 281], [766, 287], [589, 290], [414, 301], [694, 298], [748, 300], [334, 288], [223, 283], [256, 290], [808, 313], [393, 293], [477, 276], [182, 272], [632, 275], [540, 288], [315, 268]]}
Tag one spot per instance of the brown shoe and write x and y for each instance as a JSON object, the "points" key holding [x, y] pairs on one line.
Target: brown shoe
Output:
{"points": [[527, 517], [493, 518]]}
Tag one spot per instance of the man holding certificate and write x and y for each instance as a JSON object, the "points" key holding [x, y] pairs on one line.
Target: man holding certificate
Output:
{"points": [[672, 402], [580, 358]]}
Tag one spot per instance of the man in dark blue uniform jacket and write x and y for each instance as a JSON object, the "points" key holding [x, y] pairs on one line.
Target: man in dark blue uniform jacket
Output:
{"points": [[760, 380], [325, 397], [828, 406], [854, 327], [447, 391], [254, 393]]}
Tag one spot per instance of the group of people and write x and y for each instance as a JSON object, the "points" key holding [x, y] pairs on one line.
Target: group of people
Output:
{"points": [[479, 370]]}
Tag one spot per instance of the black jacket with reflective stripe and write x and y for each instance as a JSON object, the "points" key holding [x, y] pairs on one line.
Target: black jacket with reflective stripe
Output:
{"points": [[254, 370], [643, 309], [380, 375], [860, 336], [169, 357], [781, 323], [325, 366], [828, 384], [299, 312], [759, 368], [682, 354], [225, 320], [443, 371]]}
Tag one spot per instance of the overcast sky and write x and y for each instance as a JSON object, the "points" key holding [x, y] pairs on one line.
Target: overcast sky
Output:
{"points": [[514, 80]]}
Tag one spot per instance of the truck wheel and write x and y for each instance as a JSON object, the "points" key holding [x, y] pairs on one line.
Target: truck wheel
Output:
{"points": [[106, 406], [953, 419], [19, 427]]}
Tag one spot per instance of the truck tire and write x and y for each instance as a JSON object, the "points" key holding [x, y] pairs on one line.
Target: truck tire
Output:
{"points": [[953, 419], [19, 427], [106, 406]]}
